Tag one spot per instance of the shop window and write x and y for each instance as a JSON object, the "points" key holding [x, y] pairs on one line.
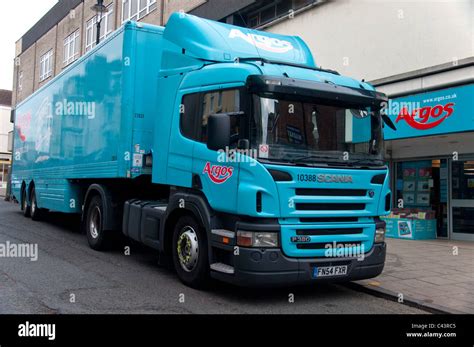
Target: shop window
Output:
{"points": [[463, 196], [421, 197]]}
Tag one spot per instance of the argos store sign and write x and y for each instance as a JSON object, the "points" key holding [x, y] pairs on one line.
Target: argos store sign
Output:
{"points": [[443, 111]]}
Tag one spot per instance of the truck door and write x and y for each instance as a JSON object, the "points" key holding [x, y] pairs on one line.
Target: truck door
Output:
{"points": [[218, 171]]}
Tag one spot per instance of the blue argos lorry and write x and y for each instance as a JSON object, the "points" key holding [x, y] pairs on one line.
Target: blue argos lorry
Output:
{"points": [[225, 149]]}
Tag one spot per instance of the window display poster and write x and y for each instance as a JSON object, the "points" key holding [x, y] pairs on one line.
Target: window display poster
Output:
{"points": [[409, 186], [399, 184], [425, 172], [409, 198], [404, 229], [424, 186], [423, 199], [409, 172]]}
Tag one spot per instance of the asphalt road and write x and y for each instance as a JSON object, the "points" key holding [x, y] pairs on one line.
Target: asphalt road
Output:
{"points": [[69, 277]]}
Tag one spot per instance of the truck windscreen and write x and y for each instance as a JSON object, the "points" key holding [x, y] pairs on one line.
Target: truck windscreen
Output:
{"points": [[289, 130]]}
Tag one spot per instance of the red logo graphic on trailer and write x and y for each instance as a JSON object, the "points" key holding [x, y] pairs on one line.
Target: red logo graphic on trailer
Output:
{"points": [[218, 173], [426, 117]]}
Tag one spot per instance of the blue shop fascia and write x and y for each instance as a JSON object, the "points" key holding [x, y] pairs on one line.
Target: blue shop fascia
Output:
{"points": [[432, 164]]}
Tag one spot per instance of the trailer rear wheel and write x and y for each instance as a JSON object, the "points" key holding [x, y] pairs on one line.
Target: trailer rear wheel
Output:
{"points": [[94, 224], [24, 204], [190, 256], [35, 211]]}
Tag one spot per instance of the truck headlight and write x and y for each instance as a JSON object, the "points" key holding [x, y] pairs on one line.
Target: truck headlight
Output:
{"points": [[379, 230], [379, 235], [258, 239]]}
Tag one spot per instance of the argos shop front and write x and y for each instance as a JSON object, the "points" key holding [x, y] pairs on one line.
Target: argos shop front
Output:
{"points": [[432, 164]]}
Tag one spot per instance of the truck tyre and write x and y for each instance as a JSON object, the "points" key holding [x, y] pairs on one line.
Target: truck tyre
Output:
{"points": [[190, 256], [35, 211], [24, 204], [94, 224]]}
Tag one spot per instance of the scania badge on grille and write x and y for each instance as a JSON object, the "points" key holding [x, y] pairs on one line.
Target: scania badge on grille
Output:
{"points": [[324, 178]]}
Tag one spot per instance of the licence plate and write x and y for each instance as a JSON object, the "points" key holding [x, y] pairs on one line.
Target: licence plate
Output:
{"points": [[326, 271]]}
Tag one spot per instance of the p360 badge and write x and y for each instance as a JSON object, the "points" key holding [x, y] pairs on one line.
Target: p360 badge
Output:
{"points": [[300, 239]]}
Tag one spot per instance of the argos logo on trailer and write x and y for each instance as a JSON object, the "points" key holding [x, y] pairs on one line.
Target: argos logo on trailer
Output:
{"points": [[266, 43]]}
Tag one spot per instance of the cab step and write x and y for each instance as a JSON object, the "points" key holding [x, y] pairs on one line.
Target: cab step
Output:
{"points": [[224, 268]]}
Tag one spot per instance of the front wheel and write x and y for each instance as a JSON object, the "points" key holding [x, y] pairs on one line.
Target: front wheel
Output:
{"points": [[190, 256]]}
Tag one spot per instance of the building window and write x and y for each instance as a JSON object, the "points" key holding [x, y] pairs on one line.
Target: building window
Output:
{"points": [[106, 27], [136, 9], [46, 65], [20, 81], [273, 10], [71, 48]]}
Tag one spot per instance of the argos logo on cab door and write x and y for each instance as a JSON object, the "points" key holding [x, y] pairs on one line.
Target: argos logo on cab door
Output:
{"points": [[218, 174]]}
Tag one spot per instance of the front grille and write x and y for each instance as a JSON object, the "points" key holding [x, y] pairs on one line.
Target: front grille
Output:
{"points": [[329, 220], [336, 231], [330, 192], [322, 245], [329, 206], [388, 201]]}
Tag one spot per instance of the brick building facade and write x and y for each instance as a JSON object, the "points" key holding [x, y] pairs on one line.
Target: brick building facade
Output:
{"points": [[68, 31]]}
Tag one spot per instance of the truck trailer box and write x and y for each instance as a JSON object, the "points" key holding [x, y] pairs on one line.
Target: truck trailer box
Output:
{"points": [[94, 120]]}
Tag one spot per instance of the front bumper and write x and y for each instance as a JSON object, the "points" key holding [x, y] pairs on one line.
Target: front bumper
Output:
{"points": [[270, 267]]}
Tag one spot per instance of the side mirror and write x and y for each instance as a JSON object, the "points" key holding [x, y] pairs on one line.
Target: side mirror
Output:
{"points": [[243, 144], [218, 131]]}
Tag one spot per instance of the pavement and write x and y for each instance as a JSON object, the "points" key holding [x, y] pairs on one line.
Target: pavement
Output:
{"points": [[69, 277], [435, 274]]}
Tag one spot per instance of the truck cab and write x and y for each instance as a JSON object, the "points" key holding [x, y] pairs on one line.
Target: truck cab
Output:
{"points": [[281, 160]]}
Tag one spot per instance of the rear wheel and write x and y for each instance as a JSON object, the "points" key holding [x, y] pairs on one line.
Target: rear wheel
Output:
{"points": [[24, 204], [190, 256], [94, 224], [35, 211]]}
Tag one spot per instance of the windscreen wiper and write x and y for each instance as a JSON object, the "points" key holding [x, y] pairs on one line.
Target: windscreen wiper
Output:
{"points": [[365, 161], [314, 156], [336, 160]]}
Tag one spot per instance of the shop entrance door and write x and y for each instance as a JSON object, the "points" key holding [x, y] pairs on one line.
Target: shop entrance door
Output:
{"points": [[462, 200]]}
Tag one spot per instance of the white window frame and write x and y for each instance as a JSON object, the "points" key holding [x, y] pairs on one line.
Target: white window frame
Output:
{"points": [[140, 10], [20, 81], [71, 47], [91, 27], [46, 65]]}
